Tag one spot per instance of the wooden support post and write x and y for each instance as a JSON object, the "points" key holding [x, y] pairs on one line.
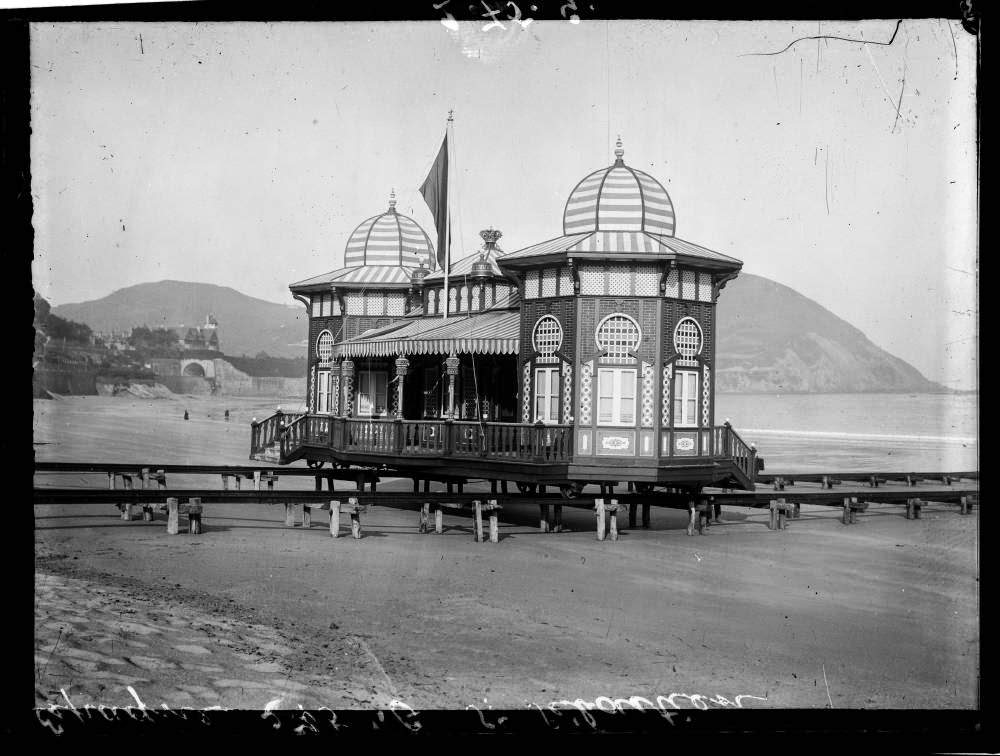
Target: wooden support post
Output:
{"points": [[451, 487], [495, 522], [632, 509], [847, 511], [307, 517], [416, 487], [873, 481], [557, 518], [827, 483], [225, 481], [911, 509], [796, 510], [477, 520], [493, 485], [717, 511], [541, 490], [438, 519], [111, 481], [239, 482], [782, 514], [503, 487], [126, 508], [461, 487], [371, 484], [147, 513], [599, 513], [917, 505], [703, 516], [543, 518], [645, 515], [427, 485], [329, 482], [772, 523], [319, 483], [289, 515], [173, 516], [334, 519], [425, 514], [964, 501], [256, 480], [355, 518], [692, 514], [194, 516], [613, 519]]}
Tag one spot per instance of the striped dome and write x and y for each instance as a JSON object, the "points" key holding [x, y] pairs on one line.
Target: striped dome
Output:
{"points": [[389, 239], [619, 198]]}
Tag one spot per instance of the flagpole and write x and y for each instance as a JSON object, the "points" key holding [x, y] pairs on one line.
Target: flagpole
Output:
{"points": [[447, 215]]}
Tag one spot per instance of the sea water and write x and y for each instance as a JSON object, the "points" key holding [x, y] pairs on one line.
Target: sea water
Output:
{"points": [[857, 432]]}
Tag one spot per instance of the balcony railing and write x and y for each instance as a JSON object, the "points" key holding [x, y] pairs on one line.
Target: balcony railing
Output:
{"points": [[523, 442]]}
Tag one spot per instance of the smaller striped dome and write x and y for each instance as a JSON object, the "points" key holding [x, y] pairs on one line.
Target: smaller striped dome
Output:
{"points": [[619, 198], [389, 239]]}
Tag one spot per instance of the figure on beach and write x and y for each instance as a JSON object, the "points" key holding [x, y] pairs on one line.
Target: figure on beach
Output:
{"points": [[185, 414]]}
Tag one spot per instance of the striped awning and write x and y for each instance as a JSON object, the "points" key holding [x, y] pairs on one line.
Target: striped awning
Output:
{"points": [[369, 274], [492, 332], [620, 242]]}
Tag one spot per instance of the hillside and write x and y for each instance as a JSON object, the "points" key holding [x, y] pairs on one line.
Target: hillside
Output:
{"points": [[771, 338], [246, 325]]}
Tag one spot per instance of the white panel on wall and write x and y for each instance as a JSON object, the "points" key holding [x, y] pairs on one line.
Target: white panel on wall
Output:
{"points": [[689, 283], [565, 282], [355, 303], [549, 282], [336, 306], [673, 290], [620, 282], [647, 281], [531, 285], [704, 287], [397, 303], [591, 279]]}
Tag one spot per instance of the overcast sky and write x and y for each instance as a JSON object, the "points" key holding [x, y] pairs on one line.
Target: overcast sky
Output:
{"points": [[244, 154]]}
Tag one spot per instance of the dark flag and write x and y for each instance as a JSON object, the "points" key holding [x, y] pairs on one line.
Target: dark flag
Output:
{"points": [[435, 191]]}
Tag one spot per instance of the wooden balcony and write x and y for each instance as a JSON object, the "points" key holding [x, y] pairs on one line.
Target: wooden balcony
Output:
{"points": [[286, 437]]}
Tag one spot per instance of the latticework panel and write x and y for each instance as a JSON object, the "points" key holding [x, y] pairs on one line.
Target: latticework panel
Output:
{"points": [[586, 390], [549, 282], [646, 413], [591, 279], [704, 287], [565, 282], [647, 281], [335, 394], [706, 396], [531, 285], [673, 285], [689, 283], [397, 304], [354, 301], [567, 393], [526, 394], [619, 282], [668, 377]]}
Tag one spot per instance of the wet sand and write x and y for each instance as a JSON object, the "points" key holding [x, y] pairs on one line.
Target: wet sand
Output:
{"points": [[881, 614]]}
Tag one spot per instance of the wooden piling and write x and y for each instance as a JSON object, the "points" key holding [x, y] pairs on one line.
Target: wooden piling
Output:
{"points": [[503, 487], [289, 515], [438, 520], [645, 515], [111, 481], [194, 516], [173, 516], [425, 514], [355, 518], [632, 509], [846, 519], [319, 483], [692, 514], [917, 506], [557, 518], [782, 514], [494, 523], [772, 522], [613, 519], [477, 517], [493, 485], [256, 480], [416, 486], [599, 513], [450, 487], [964, 501], [307, 518], [147, 513], [225, 481], [334, 519], [543, 518], [329, 483]]}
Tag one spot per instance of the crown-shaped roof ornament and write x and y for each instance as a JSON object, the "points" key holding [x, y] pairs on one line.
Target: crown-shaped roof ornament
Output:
{"points": [[392, 200], [619, 152], [491, 236]]}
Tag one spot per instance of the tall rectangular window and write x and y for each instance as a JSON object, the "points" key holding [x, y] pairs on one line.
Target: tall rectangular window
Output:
{"points": [[323, 391], [327, 305], [317, 300], [547, 395], [372, 394], [685, 399], [616, 396]]}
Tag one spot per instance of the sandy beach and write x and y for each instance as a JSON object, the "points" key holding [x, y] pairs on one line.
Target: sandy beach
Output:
{"points": [[882, 614]]}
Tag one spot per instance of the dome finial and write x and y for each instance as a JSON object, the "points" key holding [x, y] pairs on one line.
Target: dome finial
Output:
{"points": [[619, 152], [392, 200]]}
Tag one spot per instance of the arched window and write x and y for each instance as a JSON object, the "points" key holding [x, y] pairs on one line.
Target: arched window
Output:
{"points": [[324, 347], [452, 297], [688, 339], [547, 337], [463, 299], [477, 297], [618, 335]]}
